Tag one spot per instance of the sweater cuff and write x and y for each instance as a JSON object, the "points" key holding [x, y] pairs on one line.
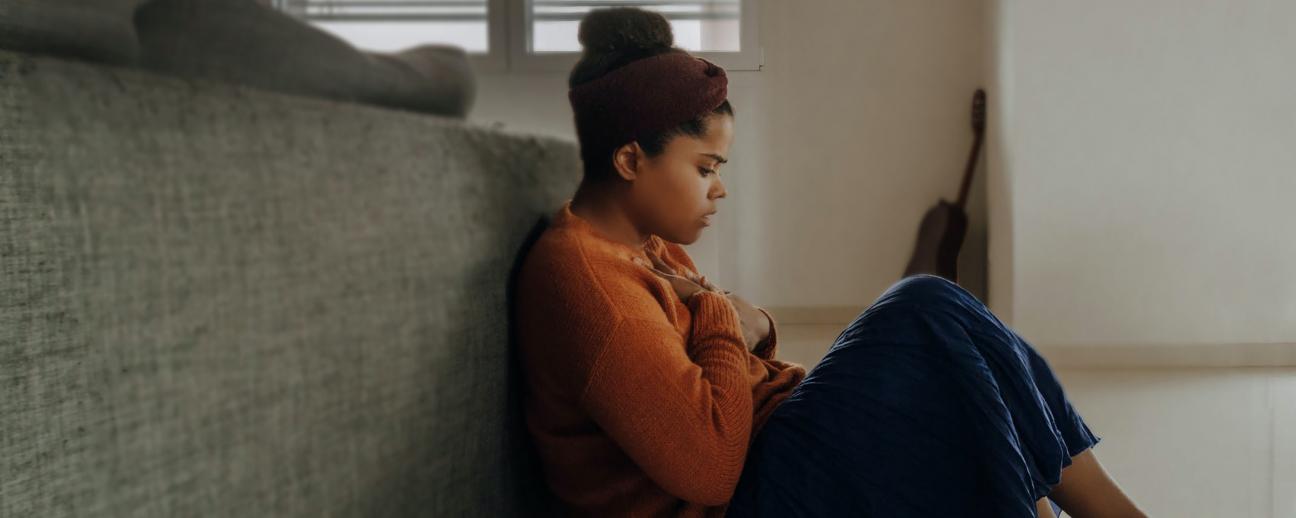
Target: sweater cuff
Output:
{"points": [[713, 311]]}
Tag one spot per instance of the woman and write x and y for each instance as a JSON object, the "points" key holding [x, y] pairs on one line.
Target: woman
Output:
{"points": [[652, 392]]}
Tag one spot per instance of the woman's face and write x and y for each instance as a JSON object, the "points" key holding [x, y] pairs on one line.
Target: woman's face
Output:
{"points": [[674, 192]]}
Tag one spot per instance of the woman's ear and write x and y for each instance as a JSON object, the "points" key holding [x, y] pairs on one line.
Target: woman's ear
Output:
{"points": [[626, 160]]}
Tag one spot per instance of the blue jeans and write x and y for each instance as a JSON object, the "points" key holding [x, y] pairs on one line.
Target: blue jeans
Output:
{"points": [[925, 405]]}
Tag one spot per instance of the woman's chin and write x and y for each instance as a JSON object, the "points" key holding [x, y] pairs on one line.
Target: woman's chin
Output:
{"points": [[685, 238]]}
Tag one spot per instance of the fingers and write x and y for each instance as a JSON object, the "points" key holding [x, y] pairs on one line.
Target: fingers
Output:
{"points": [[659, 267], [655, 268], [660, 264], [701, 279]]}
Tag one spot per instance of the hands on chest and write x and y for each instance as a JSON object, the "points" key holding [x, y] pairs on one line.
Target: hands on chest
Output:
{"points": [[755, 326]]}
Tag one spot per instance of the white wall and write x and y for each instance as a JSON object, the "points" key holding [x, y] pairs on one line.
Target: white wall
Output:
{"points": [[859, 120], [1148, 166]]}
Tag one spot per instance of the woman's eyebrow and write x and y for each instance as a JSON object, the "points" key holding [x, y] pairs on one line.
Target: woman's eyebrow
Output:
{"points": [[718, 158]]}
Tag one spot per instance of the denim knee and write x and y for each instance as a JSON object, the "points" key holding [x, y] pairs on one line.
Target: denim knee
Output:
{"points": [[926, 286], [916, 298], [930, 291]]}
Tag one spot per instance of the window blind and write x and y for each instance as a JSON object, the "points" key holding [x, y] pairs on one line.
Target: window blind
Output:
{"points": [[385, 10]]}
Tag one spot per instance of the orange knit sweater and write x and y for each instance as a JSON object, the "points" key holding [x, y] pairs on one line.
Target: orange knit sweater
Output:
{"points": [[639, 404]]}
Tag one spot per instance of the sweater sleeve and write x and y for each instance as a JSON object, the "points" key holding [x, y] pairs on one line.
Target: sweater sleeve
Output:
{"points": [[681, 411]]}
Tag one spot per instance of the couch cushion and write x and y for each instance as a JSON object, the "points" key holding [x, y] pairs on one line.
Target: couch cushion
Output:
{"points": [[220, 301]]}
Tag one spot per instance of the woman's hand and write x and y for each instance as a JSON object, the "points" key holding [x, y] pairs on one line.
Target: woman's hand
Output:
{"points": [[685, 284], [755, 326]]}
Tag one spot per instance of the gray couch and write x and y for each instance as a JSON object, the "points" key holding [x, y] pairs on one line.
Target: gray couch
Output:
{"points": [[219, 301]]}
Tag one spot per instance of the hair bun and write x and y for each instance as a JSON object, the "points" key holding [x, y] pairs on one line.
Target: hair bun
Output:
{"points": [[624, 28]]}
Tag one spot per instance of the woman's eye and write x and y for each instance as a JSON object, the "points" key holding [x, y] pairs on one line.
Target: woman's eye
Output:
{"points": [[706, 171]]}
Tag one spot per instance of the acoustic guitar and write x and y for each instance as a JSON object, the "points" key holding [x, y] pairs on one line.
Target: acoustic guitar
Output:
{"points": [[944, 226]]}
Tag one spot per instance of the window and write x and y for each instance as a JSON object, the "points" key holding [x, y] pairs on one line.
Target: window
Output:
{"points": [[698, 25], [387, 25], [526, 35]]}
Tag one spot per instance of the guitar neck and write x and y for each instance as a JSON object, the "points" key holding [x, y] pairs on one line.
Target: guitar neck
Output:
{"points": [[969, 169]]}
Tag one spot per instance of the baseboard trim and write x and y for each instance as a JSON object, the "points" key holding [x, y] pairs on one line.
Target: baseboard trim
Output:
{"points": [[1087, 356], [814, 315], [1170, 356]]}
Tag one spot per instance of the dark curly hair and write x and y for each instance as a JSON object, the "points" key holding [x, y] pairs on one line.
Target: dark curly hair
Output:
{"points": [[610, 39]]}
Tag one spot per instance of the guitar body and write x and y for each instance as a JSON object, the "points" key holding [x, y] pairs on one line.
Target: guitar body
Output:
{"points": [[940, 237], [944, 226]]}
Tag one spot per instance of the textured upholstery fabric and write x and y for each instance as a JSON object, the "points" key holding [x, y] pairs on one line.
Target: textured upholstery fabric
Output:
{"points": [[97, 30], [243, 42], [220, 301]]}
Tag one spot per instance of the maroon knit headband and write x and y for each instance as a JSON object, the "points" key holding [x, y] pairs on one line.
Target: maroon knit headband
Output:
{"points": [[646, 96]]}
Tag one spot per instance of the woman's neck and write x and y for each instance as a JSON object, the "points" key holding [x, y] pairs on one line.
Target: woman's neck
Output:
{"points": [[598, 205]]}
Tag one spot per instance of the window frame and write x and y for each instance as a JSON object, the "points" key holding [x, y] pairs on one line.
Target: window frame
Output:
{"points": [[521, 59], [508, 34]]}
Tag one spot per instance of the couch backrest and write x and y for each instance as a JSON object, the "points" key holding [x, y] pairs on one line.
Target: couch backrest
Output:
{"points": [[218, 301]]}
